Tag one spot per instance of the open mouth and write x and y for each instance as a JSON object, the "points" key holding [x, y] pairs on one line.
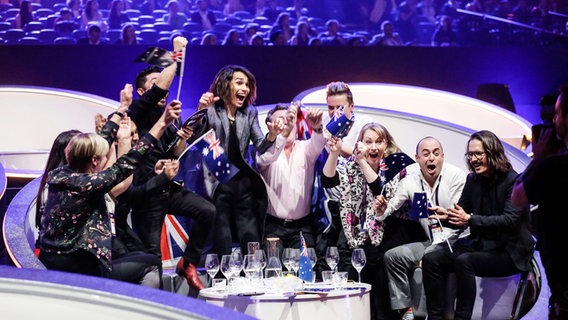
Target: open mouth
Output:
{"points": [[431, 167], [241, 98], [373, 155]]}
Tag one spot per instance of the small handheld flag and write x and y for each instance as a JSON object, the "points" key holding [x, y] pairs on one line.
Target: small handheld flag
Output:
{"points": [[304, 266], [214, 157], [339, 125], [394, 163], [156, 56], [419, 207]]}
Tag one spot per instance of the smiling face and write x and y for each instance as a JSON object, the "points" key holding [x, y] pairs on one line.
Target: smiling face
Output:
{"points": [[477, 157], [240, 89], [430, 158], [376, 146]]}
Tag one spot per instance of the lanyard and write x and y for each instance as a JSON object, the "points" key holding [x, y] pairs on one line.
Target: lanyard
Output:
{"points": [[436, 191]]}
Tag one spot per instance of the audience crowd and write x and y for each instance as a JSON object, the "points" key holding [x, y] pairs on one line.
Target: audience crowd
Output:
{"points": [[288, 22]]}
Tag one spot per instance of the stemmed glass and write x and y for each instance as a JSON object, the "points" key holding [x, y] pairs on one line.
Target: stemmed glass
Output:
{"points": [[225, 267], [358, 260], [294, 260], [287, 258], [332, 257], [250, 266], [313, 257], [261, 257], [236, 262], [212, 265]]}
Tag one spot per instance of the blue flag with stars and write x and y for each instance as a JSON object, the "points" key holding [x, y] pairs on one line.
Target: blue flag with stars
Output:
{"points": [[394, 164], [214, 157], [419, 206], [338, 125], [305, 265]]}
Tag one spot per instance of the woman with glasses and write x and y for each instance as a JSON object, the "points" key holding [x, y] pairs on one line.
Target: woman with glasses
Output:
{"points": [[500, 243]]}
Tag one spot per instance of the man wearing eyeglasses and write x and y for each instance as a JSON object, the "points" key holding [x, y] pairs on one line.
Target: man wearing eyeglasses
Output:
{"points": [[545, 183]]}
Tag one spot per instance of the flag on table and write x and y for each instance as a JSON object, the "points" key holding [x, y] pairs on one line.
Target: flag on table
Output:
{"points": [[304, 265], [419, 206], [214, 157], [395, 163], [339, 125], [173, 240]]}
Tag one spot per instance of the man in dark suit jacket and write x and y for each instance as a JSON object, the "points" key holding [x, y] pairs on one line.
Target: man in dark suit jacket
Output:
{"points": [[93, 36], [204, 17]]}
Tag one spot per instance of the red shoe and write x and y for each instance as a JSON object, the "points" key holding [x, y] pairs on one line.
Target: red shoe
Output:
{"points": [[190, 274]]}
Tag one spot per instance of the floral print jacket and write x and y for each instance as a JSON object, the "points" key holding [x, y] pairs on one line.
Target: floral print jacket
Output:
{"points": [[75, 215], [355, 203]]}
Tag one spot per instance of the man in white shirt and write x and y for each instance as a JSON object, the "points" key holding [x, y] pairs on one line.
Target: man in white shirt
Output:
{"points": [[443, 184], [288, 168]]}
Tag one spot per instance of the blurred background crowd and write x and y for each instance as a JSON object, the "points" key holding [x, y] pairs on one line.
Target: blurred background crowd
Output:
{"points": [[516, 23]]}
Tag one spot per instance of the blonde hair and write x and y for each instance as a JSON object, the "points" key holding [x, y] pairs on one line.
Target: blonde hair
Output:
{"points": [[383, 133], [82, 148]]}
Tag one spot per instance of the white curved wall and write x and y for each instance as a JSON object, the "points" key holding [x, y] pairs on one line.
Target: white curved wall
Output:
{"points": [[31, 118]]}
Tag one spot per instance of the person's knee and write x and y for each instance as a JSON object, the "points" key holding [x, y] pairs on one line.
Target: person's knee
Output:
{"points": [[152, 278]]}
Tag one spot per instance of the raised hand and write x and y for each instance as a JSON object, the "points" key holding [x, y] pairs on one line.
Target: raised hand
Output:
{"points": [[207, 99], [179, 43], [125, 98], [100, 121], [379, 205], [124, 128], [360, 151], [314, 118], [334, 144], [172, 112]]}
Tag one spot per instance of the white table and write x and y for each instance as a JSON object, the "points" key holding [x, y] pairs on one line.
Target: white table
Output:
{"points": [[337, 304]]}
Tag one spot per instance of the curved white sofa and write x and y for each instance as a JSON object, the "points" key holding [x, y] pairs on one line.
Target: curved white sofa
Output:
{"points": [[31, 118]]}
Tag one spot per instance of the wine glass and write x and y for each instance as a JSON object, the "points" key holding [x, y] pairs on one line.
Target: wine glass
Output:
{"points": [[225, 267], [236, 262], [358, 260], [294, 260], [261, 257], [250, 266], [332, 257], [313, 257], [212, 265], [287, 258]]}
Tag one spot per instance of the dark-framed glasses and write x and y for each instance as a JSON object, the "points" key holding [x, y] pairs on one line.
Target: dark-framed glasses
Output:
{"points": [[477, 154]]}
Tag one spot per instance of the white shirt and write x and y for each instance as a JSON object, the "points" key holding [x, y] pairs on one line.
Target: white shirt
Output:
{"points": [[445, 193], [289, 182]]}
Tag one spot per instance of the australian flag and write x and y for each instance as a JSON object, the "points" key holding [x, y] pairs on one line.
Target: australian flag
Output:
{"points": [[304, 265], [394, 164], [214, 157], [419, 207], [338, 125]]}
